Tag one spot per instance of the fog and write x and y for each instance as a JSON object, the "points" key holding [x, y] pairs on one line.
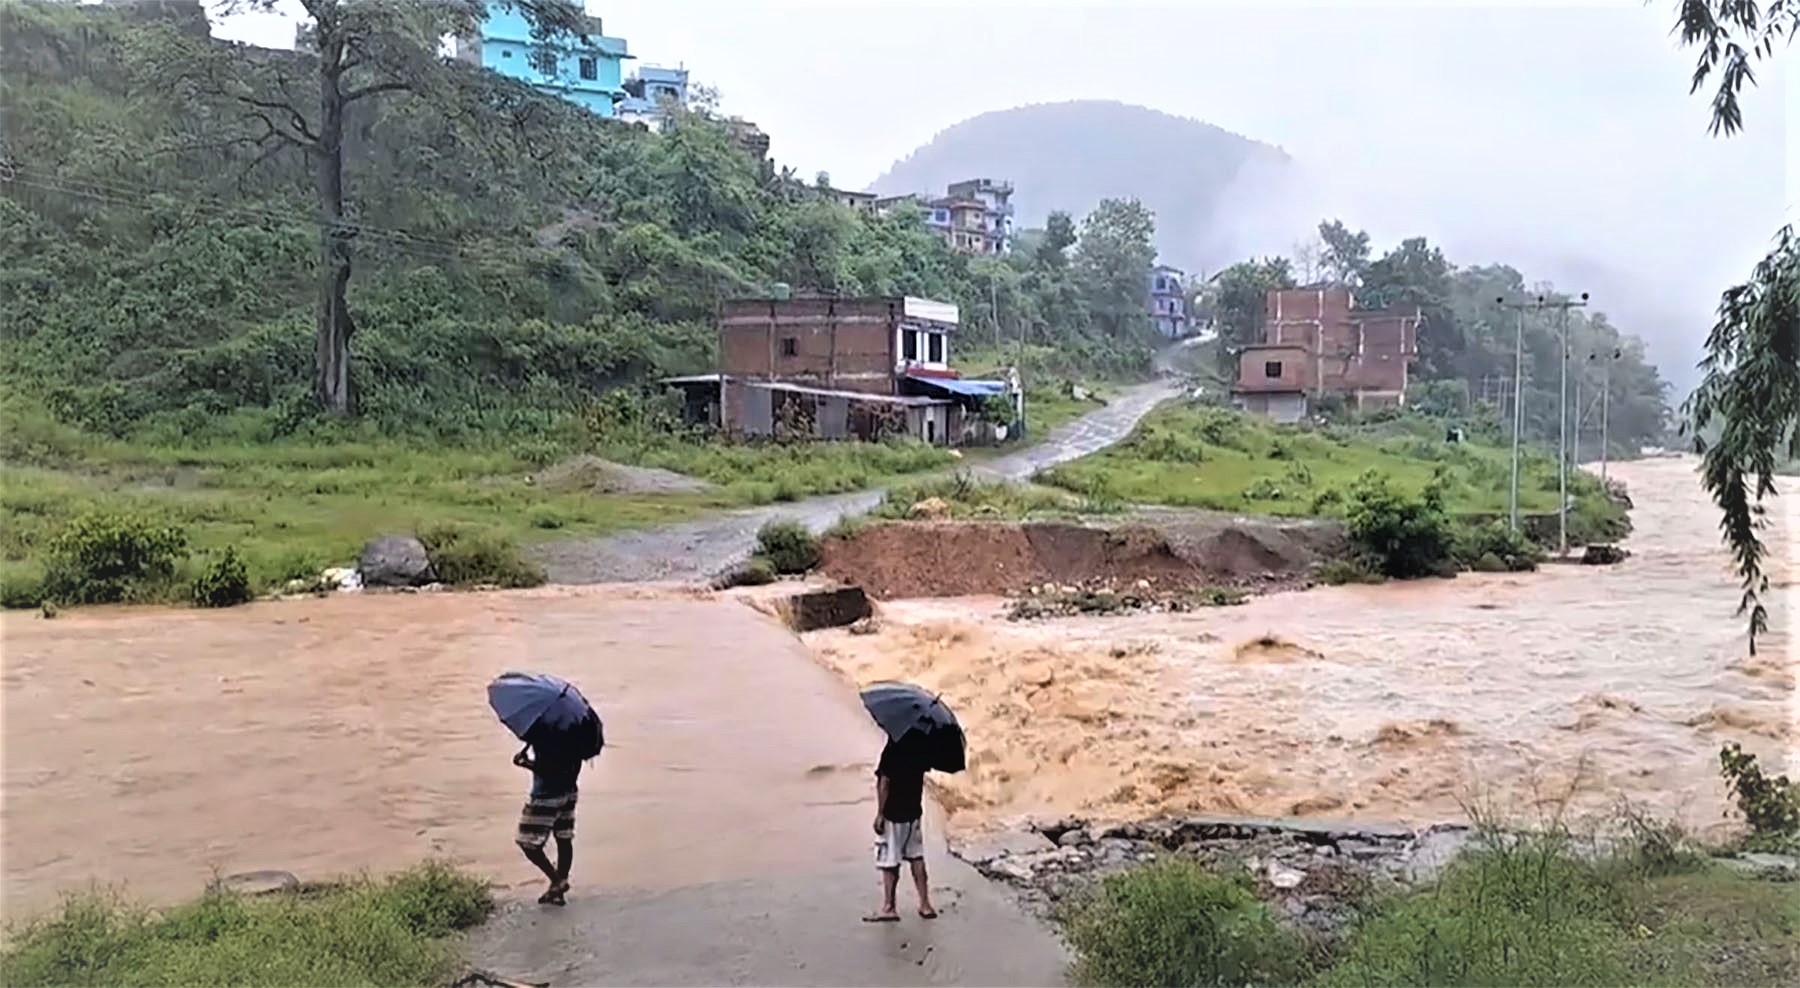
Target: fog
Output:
{"points": [[1559, 139]]}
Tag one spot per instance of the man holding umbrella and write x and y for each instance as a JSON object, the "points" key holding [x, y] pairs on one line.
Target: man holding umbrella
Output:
{"points": [[922, 735], [561, 731]]}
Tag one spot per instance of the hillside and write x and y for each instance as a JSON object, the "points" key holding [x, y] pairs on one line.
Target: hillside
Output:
{"points": [[1201, 181]]}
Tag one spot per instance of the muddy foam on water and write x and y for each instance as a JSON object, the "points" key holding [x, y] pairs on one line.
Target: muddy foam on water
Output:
{"points": [[1509, 694]]}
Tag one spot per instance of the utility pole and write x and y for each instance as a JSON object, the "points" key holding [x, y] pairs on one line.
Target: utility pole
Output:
{"points": [[1605, 402], [1512, 501], [1562, 438]]}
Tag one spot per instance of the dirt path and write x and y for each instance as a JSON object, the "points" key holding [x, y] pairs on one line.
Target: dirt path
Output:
{"points": [[698, 549], [723, 836]]}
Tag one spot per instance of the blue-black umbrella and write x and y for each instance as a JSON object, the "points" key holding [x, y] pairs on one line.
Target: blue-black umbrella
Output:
{"points": [[525, 700], [922, 719]]}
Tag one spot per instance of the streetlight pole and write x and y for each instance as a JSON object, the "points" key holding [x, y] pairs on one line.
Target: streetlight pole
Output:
{"points": [[1512, 502], [1562, 442], [1605, 401]]}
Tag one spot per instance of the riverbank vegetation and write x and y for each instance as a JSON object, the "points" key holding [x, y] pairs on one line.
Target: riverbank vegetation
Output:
{"points": [[397, 931], [1415, 500], [1518, 909]]}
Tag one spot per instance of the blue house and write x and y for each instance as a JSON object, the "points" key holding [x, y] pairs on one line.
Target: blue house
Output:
{"points": [[650, 89], [589, 68], [1168, 303]]}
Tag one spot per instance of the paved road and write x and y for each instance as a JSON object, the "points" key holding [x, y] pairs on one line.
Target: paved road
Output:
{"points": [[724, 836], [699, 549]]}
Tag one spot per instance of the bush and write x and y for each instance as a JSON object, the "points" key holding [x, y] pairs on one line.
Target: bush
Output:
{"points": [[21, 587], [1172, 923], [1771, 806], [788, 546], [1406, 537], [1480, 547], [389, 933], [225, 583], [466, 556], [1337, 572], [755, 572], [106, 558]]}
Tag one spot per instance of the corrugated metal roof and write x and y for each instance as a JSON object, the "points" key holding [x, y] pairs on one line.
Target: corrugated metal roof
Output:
{"points": [[962, 386]]}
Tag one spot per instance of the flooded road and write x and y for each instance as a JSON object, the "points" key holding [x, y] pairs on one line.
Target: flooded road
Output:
{"points": [[1405, 702]]}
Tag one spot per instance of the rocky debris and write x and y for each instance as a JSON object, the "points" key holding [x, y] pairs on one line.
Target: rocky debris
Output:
{"points": [[1771, 867], [593, 475], [930, 509], [335, 578], [395, 561], [259, 883], [866, 626], [1617, 494], [1107, 597], [816, 609], [1603, 555], [1314, 871]]}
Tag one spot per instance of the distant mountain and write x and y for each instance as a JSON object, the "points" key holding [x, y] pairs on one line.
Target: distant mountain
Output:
{"points": [[1205, 184]]}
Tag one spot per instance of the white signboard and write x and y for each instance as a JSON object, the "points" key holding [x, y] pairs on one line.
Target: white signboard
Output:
{"points": [[924, 308]]}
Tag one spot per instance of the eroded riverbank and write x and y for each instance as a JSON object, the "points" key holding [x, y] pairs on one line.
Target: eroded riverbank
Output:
{"points": [[1404, 703]]}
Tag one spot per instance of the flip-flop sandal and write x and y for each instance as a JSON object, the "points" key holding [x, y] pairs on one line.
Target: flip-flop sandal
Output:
{"points": [[882, 918], [554, 897], [928, 915]]}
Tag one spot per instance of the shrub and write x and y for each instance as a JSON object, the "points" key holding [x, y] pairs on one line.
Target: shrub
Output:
{"points": [[21, 587], [1337, 572], [1407, 537], [1172, 923], [546, 518], [465, 556], [104, 558], [224, 583], [1480, 546], [1771, 806], [788, 546]]}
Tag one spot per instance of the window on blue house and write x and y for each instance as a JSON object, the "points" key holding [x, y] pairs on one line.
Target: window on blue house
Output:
{"points": [[589, 68]]}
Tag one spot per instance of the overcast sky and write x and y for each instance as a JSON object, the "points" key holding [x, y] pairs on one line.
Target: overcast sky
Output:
{"points": [[1556, 137]]}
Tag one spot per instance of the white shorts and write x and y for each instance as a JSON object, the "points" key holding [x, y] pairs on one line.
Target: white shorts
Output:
{"points": [[899, 842]]}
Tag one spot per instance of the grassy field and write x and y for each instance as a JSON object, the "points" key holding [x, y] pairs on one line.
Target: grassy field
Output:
{"points": [[1192, 455], [292, 508], [393, 932]]}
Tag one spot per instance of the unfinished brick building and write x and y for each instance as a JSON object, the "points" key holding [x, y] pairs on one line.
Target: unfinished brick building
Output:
{"points": [[1316, 342], [835, 368]]}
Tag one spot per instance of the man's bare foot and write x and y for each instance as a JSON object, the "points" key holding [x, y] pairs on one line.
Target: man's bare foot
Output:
{"points": [[885, 916]]}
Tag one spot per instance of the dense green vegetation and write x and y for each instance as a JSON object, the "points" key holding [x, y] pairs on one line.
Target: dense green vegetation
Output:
{"points": [[392, 932], [1538, 909]]}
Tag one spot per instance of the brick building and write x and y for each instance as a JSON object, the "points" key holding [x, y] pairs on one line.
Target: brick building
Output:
{"points": [[1316, 342], [836, 368]]}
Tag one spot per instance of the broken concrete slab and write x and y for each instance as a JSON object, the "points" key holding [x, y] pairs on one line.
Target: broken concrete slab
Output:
{"points": [[832, 608]]}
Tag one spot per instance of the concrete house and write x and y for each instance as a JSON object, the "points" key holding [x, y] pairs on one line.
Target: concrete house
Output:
{"points": [[1316, 342], [840, 368], [587, 69], [1169, 314]]}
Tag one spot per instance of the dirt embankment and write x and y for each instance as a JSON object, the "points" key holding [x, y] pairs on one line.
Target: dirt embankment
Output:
{"points": [[955, 559]]}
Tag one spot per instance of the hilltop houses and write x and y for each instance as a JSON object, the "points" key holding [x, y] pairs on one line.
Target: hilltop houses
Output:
{"points": [[973, 216], [587, 69]]}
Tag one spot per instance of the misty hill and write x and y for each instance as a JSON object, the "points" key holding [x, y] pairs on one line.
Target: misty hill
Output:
{"points": [[1202, 181]]}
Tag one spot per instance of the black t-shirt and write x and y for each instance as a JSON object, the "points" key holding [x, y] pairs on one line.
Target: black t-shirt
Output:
{"points": [[905, 775]]}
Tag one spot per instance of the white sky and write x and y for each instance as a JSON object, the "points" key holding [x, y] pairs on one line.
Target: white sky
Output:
{"points": [[1557, 137]]}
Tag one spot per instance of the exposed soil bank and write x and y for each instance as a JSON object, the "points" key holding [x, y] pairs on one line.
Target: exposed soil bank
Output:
{"points": [[898, 560]]}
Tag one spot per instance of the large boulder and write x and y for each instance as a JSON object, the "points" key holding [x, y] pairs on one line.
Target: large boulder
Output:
{"points": [[395, 561], [1602, 555]]}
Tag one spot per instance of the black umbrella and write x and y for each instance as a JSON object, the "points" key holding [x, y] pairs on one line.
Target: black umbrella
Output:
{"points": [[922, 720], [546, 711]]}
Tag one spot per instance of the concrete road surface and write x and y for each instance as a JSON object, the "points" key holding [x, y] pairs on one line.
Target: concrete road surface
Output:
{"points": [[724, 837]]}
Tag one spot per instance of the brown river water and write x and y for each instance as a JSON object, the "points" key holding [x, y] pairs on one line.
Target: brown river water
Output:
{"points": [[152, 747], [1517, 696]]}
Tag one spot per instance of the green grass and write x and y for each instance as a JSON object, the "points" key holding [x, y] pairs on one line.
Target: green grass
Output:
{"points": [[393, 932], [1192, 455], [1533, 910], [292, 508], [968, 499]]}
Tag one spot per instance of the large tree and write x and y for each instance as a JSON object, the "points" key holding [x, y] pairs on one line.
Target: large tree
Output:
{"points": [[1112, 261], [1239, 294], [1345, 256], [351, 51], [1748, 401]]}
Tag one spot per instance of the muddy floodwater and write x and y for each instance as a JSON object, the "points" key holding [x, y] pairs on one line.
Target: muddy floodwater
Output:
{"points": [[1510, 694], [152, 746]]}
